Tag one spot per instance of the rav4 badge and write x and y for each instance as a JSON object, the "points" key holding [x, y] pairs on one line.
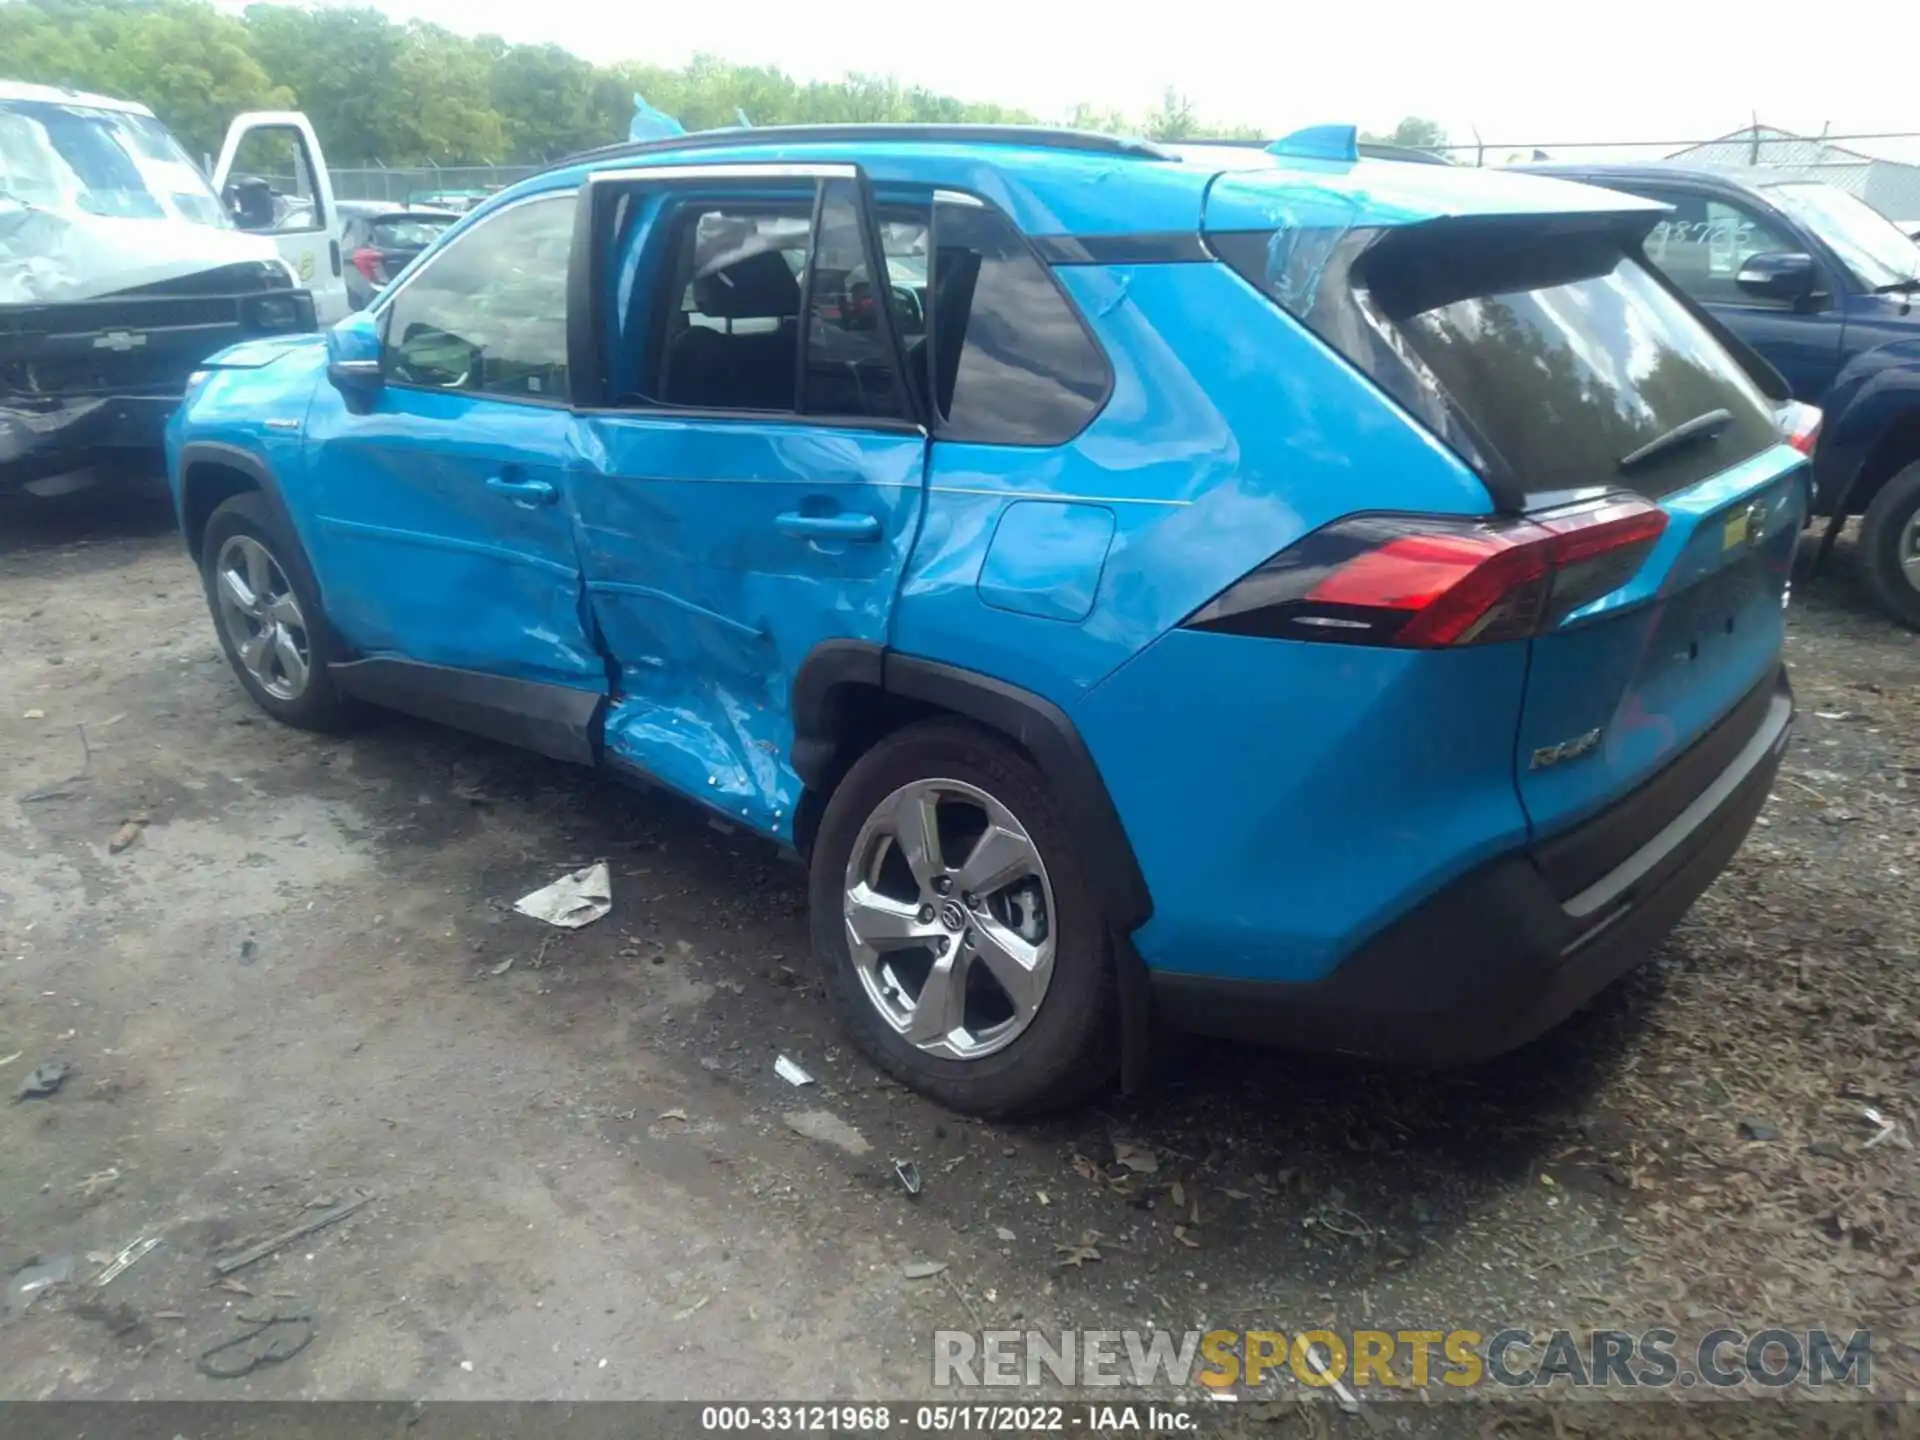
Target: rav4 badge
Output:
{"points": [[1566, 750]]}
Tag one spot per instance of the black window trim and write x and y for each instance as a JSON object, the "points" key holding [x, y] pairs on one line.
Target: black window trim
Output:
{"points": [[587, 276], [382, 309]]}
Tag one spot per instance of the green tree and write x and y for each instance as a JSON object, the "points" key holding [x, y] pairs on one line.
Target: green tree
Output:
{"points": [[1412, 132]]}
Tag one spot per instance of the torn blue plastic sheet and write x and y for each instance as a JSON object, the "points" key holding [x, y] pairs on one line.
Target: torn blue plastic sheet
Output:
{"points": [[1339, 143], [651, 124], [1309, 225]]}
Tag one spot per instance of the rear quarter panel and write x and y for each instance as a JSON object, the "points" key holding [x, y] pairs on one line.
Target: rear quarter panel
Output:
{"points": [[1230, 432]]}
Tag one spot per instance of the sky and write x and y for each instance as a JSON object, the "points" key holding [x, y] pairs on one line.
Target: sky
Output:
{"points": [[1519, 73]]}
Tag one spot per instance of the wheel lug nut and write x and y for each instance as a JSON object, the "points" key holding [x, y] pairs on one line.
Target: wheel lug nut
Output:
{"points": [[942, 885], [970, 900], [926, 914], [940, 946]]}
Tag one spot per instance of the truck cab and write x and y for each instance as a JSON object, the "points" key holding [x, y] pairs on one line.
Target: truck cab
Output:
{"points": [[1825, 288], [122, 269]]}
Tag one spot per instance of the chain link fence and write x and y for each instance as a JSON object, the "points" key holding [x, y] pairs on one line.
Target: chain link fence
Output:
{"points": [[419, 182]]}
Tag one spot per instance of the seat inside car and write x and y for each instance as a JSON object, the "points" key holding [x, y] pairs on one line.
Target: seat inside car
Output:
{"points": [[713, 361]]}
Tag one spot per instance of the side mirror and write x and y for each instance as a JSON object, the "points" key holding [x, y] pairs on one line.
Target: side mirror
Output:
{"points": [[353, 355], [1778, 275]]}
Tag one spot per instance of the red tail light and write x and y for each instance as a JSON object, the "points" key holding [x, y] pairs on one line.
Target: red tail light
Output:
{"points": [[1800, 425], [1431, 581], [372, 264]]}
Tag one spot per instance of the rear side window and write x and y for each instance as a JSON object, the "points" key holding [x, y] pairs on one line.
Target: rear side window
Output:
{"points": [[1544, 351], [489, 313], [991, 339]]}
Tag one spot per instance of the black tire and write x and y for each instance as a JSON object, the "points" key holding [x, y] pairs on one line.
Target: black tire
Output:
{"points": [[1880, 537], [1070, 1049], [321, 705]]}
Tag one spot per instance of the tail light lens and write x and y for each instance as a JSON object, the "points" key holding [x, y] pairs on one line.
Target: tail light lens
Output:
{"points": [[1433, 581], [372, 264], [1800, 425]]}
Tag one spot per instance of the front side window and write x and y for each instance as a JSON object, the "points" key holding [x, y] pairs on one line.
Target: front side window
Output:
{"points": [[1704, 243], [488, 314], [1871, 245], [271, 187]]}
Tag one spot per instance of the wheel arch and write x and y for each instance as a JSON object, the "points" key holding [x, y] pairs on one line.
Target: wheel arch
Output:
{"points": [[848, 695], [212, 473]]}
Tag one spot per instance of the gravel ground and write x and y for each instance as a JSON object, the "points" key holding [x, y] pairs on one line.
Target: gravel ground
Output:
{"points": [[301, 982]]}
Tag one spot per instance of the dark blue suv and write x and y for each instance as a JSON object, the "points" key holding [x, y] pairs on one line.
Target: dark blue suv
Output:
{"points": [[1824, 287], [1292, 594]]}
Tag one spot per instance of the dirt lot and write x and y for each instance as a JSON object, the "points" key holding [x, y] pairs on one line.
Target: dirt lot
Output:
{"points": [[301, 983]]}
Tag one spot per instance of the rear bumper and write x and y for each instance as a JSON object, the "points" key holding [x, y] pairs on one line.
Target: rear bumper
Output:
{"points": [[1495, 959]]}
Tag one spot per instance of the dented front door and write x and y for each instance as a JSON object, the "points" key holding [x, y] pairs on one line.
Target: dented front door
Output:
{"points": [[721, 544]]}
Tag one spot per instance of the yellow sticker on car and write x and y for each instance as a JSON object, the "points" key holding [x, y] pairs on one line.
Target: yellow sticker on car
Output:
{"points": [[306, 265], [1736, 531]]}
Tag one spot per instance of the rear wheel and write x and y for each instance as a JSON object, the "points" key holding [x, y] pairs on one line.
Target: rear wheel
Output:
{"points": [[267, 612], [1890, 542], [963, 948]]}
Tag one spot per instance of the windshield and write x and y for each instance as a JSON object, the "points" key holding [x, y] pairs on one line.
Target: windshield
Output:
{"points": [[74, 159], [1870, 244]]}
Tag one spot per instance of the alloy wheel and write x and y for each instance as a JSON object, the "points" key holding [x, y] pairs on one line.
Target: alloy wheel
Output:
{"points": [[950, 919], [1909, 551], [262, 617]]}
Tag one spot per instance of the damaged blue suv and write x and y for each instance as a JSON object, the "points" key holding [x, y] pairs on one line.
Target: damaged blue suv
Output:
{"points": [[1283, 594]]}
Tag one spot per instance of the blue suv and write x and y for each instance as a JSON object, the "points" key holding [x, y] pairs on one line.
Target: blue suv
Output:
{"points": [[1823, 286], [1283, 594]]}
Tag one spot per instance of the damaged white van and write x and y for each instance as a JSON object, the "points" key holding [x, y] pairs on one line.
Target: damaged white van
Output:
{"points": [[122, 267]]}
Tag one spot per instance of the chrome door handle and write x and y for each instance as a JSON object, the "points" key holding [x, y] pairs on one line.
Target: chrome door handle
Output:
{"points": [[828, 527], [524, 492]]}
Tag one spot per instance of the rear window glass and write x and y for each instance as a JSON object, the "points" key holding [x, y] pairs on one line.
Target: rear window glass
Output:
{"points": [[1570, 369], [1547, 355], [407, 232]]}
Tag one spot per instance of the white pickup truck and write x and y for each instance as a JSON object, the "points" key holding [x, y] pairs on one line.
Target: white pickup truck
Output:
{"points": [[122, 267]]}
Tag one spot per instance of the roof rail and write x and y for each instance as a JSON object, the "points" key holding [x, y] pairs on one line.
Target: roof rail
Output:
{"points": [[1042, 136]]}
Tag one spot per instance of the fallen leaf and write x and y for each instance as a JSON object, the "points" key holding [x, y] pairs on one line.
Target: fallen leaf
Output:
{"points": [[1180, 1234], [1076, 1255], [34, 715], [125, 836], [1137, 1158], [1087, 1170], [1179, 1195], [673, 1115], [922, 1269], [234, 1285], [1041, 1196], [502, 968], [1002, 1232]]}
